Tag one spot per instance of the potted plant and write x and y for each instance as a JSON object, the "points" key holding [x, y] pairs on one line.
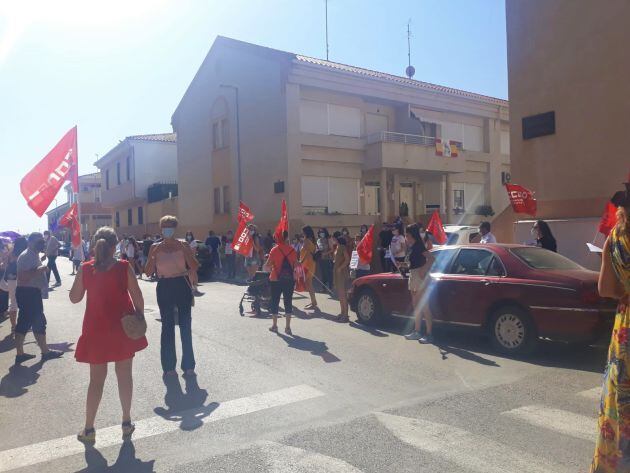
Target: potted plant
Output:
{"points": [[484, 210]]}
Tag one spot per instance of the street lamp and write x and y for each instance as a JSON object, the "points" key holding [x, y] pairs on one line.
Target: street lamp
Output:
{"points": [[238, 140]]}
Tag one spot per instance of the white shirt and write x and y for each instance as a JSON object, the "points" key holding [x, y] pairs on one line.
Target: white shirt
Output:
{"points": [[488, 238], [130, 251]]}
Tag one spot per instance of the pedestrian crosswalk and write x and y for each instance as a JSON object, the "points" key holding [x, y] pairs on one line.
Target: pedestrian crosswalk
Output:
{"points": [[559, 420]]}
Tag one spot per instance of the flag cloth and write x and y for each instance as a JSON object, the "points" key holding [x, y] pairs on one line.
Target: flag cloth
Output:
{"points": [[436, 228], [609, 219], [244, 213], [40, 186], [283, 224], [364, 248], [71, 219], [446, 148], [522, 199]]}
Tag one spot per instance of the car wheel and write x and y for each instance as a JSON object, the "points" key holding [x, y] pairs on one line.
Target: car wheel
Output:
{"points": [[512, 331], [368, 308]]}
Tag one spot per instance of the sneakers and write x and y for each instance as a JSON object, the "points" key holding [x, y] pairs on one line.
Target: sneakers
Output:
{"points": [[23, 357], [413, 336], [51, 355], [427, 339]]}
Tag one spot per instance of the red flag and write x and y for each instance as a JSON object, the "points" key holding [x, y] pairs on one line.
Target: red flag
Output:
{"points": [[364, 248], [243, 243], [436, 228], [522, 199], [244, 213], [71, 219], [40, 186], [283, 224], [609, 219]]}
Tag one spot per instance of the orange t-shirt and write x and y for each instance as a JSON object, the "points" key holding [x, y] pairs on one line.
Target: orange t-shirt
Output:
{"points": [[276, 257]]}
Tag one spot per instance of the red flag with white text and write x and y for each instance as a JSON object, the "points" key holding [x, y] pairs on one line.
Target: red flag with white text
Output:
{"points": [[283, 224], [244, 213], [243, 243], [522, 200], [609, 219], [71, 219], [40, 186], [436, 228], [364, 248]]}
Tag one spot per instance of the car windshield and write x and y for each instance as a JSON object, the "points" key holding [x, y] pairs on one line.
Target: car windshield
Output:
{"points": [[452, 238], [539, 258]]}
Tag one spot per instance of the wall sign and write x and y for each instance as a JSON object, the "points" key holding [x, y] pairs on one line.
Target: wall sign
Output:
{"points": [[539, 125]]}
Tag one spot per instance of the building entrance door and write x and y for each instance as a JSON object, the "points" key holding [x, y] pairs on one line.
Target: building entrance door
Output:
{"points": [[372, 200], [406, 200]]}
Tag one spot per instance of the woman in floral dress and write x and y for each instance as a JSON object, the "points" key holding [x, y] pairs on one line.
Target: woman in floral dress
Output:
{"points": [[612, 453]]}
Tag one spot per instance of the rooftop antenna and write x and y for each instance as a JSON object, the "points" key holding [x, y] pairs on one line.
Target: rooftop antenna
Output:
{"points": [[326, 4], [410, 71]]}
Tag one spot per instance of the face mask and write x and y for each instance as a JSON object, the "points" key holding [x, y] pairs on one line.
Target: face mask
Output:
{"points": [[189, 238], [168, 232], [345, 233], [322, 235], [423, 234]]}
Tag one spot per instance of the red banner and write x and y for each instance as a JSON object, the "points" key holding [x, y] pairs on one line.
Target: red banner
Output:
{"points": [[40, 186], [522, 199], [436, 228], [243, 243], [609, 219], [71, 219], [364, 248], [283, 224], [244, 213]]}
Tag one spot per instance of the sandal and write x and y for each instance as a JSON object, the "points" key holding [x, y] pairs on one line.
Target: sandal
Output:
{"points": [[128, 428], [87, 436], [288, 331], [273, 329]]}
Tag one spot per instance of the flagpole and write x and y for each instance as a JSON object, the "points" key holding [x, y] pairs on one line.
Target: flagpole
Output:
{"points": [[76, 195]]}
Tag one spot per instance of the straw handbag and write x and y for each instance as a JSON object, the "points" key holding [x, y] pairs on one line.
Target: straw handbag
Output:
{"points": [[134, 325]]}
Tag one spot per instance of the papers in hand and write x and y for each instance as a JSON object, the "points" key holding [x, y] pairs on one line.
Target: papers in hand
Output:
{"points": [[593, 249]]}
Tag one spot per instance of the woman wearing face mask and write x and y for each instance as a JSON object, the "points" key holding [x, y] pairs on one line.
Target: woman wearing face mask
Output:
{"points": [[397, 247], [176, 269], [307, 260], [255, 258], [544, 237], [229, 255], [341, 275], [324, 247], [190, 239]]}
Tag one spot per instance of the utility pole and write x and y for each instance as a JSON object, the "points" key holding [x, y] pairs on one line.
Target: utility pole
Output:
{"points": [[327, 49], [410, 71]]}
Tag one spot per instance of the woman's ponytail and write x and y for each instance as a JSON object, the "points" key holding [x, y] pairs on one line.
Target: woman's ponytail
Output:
{"points": [[105, 240]]}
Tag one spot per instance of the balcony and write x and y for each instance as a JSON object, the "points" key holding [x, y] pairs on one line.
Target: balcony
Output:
{"points": [[387, 149]]}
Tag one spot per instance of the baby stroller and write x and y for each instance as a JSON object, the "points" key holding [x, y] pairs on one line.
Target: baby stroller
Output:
{"points": [[258, 293]]}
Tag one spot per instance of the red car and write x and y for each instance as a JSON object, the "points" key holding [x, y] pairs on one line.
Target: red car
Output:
{"points": [[516, 293]]}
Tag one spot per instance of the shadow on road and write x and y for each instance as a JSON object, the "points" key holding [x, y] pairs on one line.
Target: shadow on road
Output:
{"points": [[15, 382], [313, 346], [446, 350], [126, 461], [371, 330], [188, 407]]}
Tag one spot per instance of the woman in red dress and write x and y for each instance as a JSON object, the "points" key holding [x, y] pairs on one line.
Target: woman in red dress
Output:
{"points": [[112, 292]]}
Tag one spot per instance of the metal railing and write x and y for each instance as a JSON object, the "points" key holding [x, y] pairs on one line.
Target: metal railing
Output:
{"points": [[390, 136]]}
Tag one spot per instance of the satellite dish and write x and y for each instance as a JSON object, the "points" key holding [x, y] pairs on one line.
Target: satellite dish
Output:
{"points": [[410, 71]]}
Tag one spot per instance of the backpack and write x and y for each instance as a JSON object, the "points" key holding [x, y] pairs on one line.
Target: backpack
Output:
{"points": [[286, 270]]}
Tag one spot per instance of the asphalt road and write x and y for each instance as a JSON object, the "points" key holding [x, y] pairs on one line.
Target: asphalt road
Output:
{"points": [[332, 398]]}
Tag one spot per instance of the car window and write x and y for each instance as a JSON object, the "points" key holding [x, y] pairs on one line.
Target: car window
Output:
{"points": [[473, 237], [472, 262], [442, 260], [539, 258], [451, 238], [495, 268]]}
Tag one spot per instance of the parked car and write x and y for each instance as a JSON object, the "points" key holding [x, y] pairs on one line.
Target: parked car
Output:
{"points": [[516, 293], [461, 234], [205, 262]]}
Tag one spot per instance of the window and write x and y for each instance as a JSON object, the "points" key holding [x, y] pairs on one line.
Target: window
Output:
{"points": [[140, 216], [334, 195], [129, 217], [220, 134], [329, 119], [128, 165], [225, 133], [495, 268], [314, 117], [107, 179], [117, 219], [217, 200], [97, 194], [473, 138], [472, 262], [539, 258], [429, 129], [442, 260], [215, 136], [458, 200], [226, 199], [118, 173], [505, 142], [475, 195]]}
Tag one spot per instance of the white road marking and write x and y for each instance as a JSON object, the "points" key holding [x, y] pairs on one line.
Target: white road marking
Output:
{"points": [[558, 420], [63, 447], [595, 393], [470, 451], [285, 459]]}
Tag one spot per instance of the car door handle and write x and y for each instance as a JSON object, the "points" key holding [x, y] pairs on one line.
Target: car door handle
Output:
{"points": [[486, 282], [384, 285]]}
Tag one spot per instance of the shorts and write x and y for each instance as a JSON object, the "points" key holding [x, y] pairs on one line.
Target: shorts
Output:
{"points": [[12, 283], [31, 313], [416, 280]]}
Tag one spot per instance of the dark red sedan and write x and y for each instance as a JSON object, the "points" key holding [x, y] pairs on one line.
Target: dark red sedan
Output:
{"points": [[516, 293]]}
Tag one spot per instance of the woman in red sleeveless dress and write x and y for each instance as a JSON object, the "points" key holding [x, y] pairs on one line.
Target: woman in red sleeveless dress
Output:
{"points": [[112, 292]]}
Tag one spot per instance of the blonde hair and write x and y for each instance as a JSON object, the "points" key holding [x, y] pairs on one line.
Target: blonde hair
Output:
{"points": [[105, 239], [169, 219]]}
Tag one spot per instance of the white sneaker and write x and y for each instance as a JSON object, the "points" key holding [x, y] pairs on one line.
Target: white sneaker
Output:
{"points": [[413, 336]]}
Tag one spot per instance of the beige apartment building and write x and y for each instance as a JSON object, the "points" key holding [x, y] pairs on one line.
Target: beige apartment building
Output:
{"points": [[139, 182], [344, 146], [570, 107]]}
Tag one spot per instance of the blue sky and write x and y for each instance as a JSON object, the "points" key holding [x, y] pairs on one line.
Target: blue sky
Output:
{"points": [[120, 67]]}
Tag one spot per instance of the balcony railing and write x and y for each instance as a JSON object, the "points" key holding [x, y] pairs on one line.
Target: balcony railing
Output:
{"points": [[390, 136]]}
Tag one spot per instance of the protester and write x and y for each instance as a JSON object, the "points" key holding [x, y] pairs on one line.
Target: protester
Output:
{"points": [[614, 283], [32, 288], [256, 256], [190, 239], [147, 243], [230, 257], [267, 242], [364, 229], [325, 252], [385, 238], [420, 261], [486, 235], [544, 237], [4, 287], [349, 240], [341, 275], [51, 252], [78, 256], [176, 268], [280, 264], [363, 266], [213, 243], [397, 246], [426, 236], [10, 276], [112, 292], [307, 260]]}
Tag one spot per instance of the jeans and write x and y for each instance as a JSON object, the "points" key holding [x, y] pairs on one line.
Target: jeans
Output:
{"points": [[230, 263], [284, 288], [52, 267], [172, 293], [326, 268]]}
